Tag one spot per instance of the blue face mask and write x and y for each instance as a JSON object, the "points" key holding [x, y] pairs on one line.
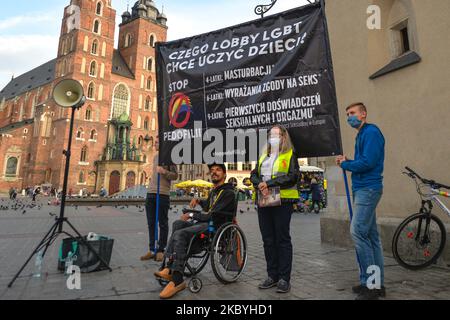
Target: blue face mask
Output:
{"points": [[354, 122]]}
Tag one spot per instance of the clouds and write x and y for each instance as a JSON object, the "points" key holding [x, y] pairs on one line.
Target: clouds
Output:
{"points": [[21, 53], [26, 20], [27, 41]]}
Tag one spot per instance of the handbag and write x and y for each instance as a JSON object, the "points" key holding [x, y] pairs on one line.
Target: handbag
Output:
{"points": [[273, 199], [85, 258]]}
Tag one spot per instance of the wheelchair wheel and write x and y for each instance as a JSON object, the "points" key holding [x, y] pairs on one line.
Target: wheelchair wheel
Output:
{"points": [[195, 285], [196, 262], [229, 253]]}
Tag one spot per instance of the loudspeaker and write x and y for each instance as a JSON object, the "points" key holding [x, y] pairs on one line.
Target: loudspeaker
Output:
{"points": [[68, 93]]}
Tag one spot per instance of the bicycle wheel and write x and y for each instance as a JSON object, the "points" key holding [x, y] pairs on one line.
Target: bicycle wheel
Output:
{"points": [[419, 241]]}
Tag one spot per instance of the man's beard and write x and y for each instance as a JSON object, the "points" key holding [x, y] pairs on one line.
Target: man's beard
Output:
{"points": [[215, 179]]}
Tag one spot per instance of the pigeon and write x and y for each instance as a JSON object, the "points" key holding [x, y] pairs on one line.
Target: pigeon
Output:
{"points": [[241, 211], [24, 211], [52, 214]]}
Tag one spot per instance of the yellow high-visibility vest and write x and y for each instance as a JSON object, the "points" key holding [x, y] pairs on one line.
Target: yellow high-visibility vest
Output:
{"points": [[281, 167]]}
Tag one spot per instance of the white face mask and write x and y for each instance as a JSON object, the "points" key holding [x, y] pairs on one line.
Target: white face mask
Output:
{"points": [[274, 141]]}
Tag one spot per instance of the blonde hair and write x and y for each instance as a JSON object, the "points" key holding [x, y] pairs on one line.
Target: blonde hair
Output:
{"points": [[285, 143]]}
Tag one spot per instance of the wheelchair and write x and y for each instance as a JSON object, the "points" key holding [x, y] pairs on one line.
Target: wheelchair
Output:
{"points": [[225, 246]]}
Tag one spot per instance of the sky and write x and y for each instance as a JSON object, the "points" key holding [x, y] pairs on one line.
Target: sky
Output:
{"points": [[29, 29]]}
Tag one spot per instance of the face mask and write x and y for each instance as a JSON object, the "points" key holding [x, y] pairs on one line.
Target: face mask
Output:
{"points": [[274, 142], [354, 122]]}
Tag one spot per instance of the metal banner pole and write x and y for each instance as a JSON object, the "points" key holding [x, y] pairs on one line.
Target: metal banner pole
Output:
{"points": [[157, 214]]}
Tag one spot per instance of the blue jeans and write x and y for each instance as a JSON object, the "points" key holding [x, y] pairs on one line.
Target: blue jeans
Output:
{"points": [[365, 233]]}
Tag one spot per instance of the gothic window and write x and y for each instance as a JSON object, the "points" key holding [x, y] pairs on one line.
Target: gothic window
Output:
{"points": [[148, 104], [146, 123], [128, 40], [80, 133], [11, 167], [94, 49], [149, 83], [152, 41], [149, 64], [83, 154], [97, 26], [120, 101], [88, 115], [98, 9], [91, 91], [81, 177], [93, 135], [93, 69]]}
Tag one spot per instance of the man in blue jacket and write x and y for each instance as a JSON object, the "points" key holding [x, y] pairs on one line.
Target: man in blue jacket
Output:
{"points": [[367, 185]]}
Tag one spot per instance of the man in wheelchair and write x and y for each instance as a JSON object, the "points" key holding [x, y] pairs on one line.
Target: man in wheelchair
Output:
{"points": [[219, 207]]}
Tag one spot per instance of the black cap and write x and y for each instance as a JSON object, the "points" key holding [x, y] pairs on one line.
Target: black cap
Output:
{"points": [[221, 165]]}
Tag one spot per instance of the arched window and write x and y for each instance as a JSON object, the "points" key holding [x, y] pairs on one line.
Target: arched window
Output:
{"points": [[128, 40], [149, 83], [99, 8], [94, 49], [97, 27], [93, 135], [11, 167], [93, 69], [81, 177], [83, 154], [120, 101], [148, 104], [146, 123], [80, 133], [150, 142], [152, 41], [88, 115], [149, 64], [91, 91], [140, 140]]}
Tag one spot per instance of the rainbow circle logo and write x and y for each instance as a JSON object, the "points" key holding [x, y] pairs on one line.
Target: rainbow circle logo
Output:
{"points": [[179, 110]]}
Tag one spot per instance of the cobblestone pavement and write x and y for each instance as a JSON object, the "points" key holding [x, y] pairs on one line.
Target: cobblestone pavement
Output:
{"points": [[319, 271]]}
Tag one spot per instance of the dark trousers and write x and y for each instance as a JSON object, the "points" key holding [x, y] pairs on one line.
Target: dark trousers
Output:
{"points": [[182, 233], [150, 210], [274, 224]]}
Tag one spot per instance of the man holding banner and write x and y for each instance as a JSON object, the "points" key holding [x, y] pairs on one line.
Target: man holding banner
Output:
{"points": [[367, 185]]}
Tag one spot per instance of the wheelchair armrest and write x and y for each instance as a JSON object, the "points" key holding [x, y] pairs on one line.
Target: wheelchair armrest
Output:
{"points": [[189, 210]]}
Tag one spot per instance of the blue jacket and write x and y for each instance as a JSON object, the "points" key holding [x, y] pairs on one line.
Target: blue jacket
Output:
{"points": [[367, 168]]}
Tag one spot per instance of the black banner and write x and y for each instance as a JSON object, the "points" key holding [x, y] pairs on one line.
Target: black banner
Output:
{"points": [[275, 70]]}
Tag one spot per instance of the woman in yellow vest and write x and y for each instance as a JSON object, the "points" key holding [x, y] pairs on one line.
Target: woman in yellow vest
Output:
{"points": [[275, 180]]}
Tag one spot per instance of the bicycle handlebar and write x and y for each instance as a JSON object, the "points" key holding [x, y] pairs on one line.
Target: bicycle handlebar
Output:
{"points": [[426, 181]]}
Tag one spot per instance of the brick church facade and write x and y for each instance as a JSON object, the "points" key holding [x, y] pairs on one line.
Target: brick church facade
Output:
{"points": [[114, 132]]}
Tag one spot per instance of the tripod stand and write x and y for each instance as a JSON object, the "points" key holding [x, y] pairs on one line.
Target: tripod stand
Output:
{"points": [[57, 227]]}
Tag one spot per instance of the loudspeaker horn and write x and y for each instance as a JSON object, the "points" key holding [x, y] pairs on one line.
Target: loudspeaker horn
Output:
{"points": [[68, 93]]}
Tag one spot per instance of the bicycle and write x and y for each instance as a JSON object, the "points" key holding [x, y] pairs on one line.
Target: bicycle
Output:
{"points": [[420, 239]]}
